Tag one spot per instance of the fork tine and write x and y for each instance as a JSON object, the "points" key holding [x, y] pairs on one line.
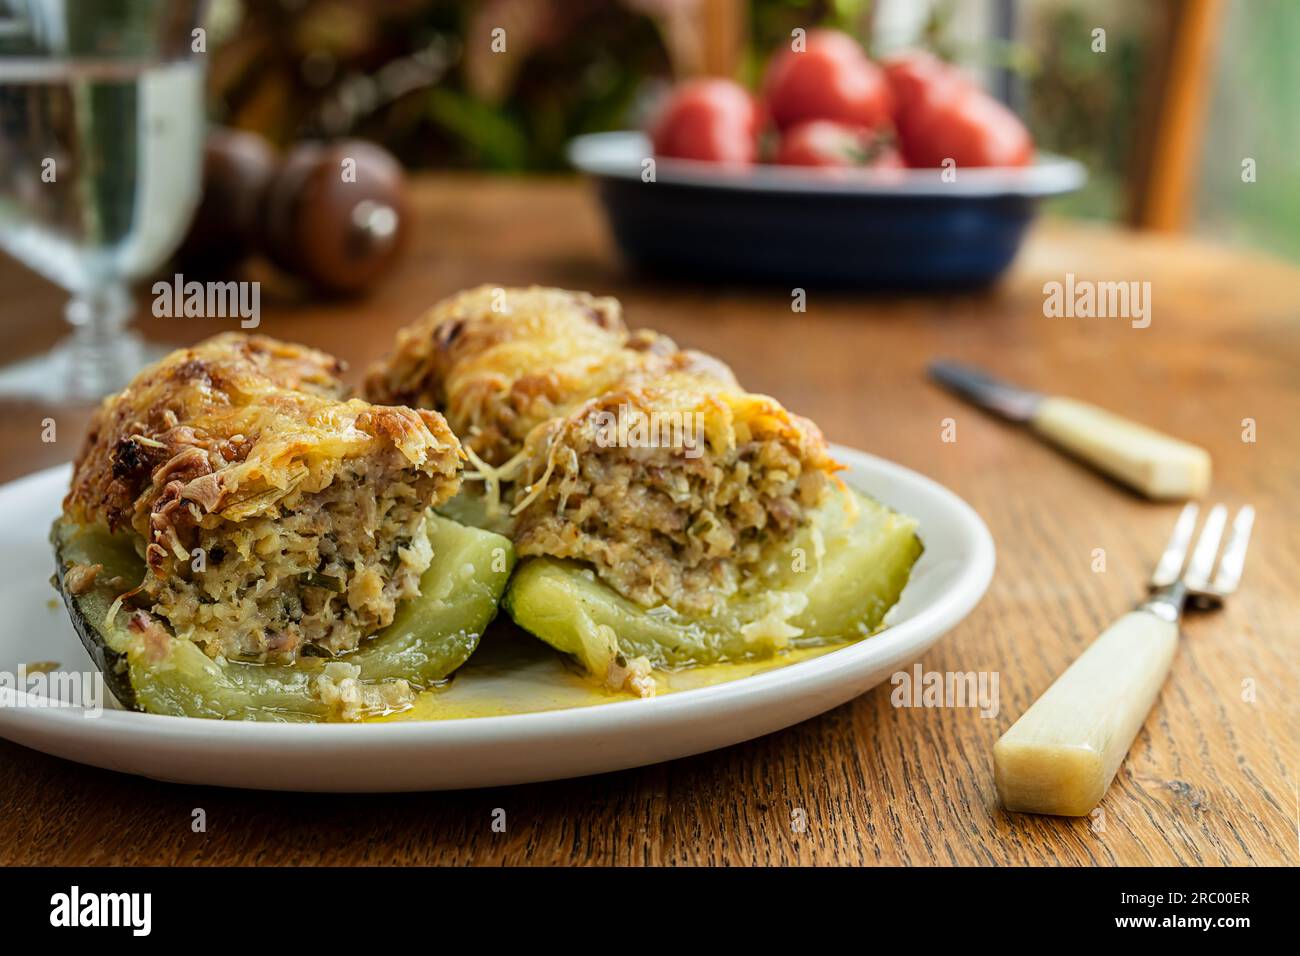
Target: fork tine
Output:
{"points": [[1171, 562], [1197, 577], [1234, 552]]}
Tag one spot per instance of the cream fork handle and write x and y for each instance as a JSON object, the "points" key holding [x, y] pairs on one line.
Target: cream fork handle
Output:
{"points": [[1061, 755]]}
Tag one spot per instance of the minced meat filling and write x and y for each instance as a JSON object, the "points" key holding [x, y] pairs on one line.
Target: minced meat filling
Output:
{"points": [[660, 526], [325, 571]]}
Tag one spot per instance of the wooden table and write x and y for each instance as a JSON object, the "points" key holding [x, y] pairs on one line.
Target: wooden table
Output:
{"points": [[1212, 776]]}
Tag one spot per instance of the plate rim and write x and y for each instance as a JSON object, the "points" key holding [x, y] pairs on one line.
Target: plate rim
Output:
{"points": [[618, 155], [929, 624]]}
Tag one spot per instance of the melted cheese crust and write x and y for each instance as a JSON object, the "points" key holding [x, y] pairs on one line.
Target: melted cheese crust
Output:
{"points": [[226, 429], [500, 362]]}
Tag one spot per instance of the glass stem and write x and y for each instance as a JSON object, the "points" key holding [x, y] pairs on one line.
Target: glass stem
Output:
{"points": [[102, 350]]}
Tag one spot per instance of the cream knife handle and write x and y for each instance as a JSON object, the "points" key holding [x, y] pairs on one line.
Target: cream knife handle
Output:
{"points": [[1153, 463], [1060, 756]]}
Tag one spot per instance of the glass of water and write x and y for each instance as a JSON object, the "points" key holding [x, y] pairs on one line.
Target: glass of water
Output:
{"points": [[101, 138]]}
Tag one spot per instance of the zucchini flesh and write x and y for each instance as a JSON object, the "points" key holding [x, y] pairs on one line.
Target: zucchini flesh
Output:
{"points": [[834, 582], [430, 636]]}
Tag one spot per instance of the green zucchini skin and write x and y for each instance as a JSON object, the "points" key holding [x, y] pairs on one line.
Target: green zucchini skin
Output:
{"points": [[429, 638], [838, 591]]}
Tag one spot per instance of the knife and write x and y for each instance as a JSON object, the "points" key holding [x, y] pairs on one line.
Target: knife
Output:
{"points": [[1146, 460]]}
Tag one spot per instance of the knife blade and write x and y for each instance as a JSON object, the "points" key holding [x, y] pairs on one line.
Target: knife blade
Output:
{"points": [[1155, 464], [975, 385]]}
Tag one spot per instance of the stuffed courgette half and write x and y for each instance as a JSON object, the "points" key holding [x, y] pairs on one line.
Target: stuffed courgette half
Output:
{"points": [[666, 517], [835, 582], [240, 542]]}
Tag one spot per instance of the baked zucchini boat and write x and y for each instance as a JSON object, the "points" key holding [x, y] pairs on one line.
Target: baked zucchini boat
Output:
{"points": [[241, 542], [669, 518]]}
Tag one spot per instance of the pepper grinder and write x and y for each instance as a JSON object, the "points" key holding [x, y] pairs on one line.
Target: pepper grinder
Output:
{"points": [[335, 214]]}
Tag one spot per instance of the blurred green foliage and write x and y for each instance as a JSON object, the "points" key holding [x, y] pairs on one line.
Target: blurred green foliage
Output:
{"points": [[1086, 104], [1255, 114], [418, 75]]}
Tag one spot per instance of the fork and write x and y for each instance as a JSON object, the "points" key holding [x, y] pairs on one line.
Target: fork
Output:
{"points": [[1062, 754]]}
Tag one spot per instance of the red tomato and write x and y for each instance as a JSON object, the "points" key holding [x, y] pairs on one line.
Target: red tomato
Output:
{"points": [[910, 76], [827, 143], [830, 79], [976, 130], [940, 114], [711, 120]]}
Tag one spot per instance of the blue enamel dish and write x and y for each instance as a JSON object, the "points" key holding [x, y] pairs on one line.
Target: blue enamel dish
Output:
{"points": [[860, 228]]}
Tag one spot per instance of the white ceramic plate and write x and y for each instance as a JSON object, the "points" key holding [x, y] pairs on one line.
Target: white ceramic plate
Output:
{"points": [[550, 744]]}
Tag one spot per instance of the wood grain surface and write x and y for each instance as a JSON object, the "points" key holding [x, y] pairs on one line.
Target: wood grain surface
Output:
{"points": [[1212, 777]]}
